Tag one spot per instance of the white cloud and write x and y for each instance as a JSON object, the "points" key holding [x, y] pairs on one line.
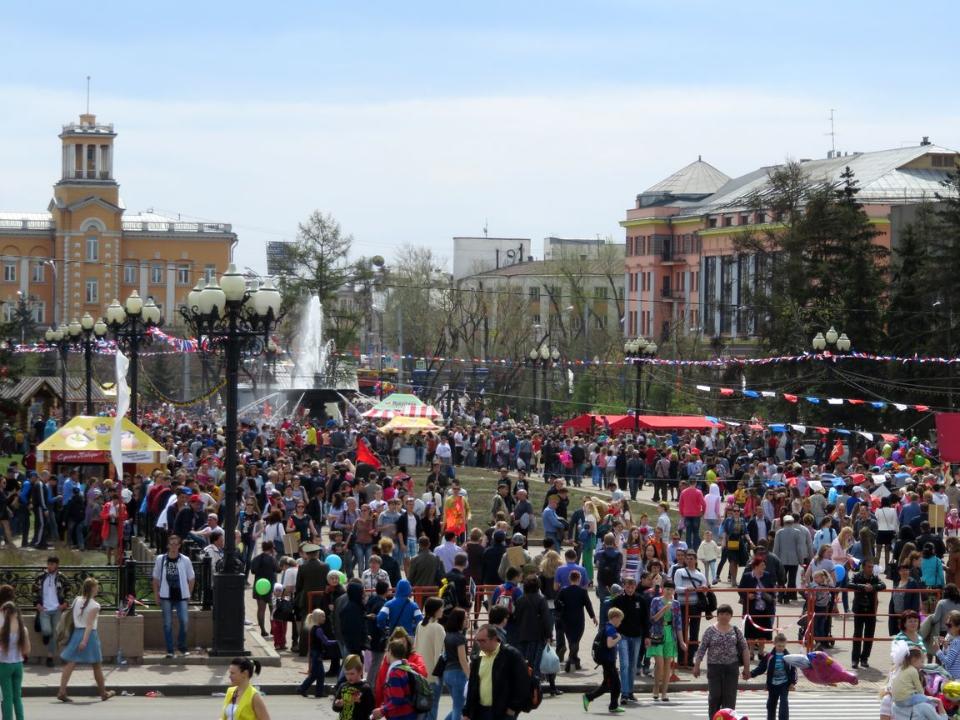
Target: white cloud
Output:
{"points": [[422, 171]]}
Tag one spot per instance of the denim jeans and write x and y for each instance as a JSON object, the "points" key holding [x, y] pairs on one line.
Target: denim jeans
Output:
{"points": [[167, 607], [629, 651], [692, 526], [456, 681], [437, 688], [48, 628], [361, 554]]}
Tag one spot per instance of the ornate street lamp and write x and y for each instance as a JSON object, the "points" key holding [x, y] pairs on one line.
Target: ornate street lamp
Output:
{"points": [[236, 320], [130, 324], [59, 338], [85, 334], [637, 350]]}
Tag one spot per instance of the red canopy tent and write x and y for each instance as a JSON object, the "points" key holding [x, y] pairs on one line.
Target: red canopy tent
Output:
{"points": [[583, 423], [676, 422]]}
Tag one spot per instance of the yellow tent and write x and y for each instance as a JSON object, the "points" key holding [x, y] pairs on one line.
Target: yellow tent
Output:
{"points": [[85, 440], [402, 423]]}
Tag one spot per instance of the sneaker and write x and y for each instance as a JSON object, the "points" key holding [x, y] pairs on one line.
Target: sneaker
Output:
{"points": [[617, 711], [633, 698], [185, 653], [624, 700], [855, 665], [586, 703], [864, 663], [168, 656]]}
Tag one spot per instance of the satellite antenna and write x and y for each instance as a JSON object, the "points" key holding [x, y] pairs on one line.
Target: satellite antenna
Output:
{"points": [[88, 94], [485, 227]]}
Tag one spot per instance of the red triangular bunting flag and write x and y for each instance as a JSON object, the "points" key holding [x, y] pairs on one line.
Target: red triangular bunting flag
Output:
{"points": [[854, 401], [790, 398], [921, 408], [727, 392]]}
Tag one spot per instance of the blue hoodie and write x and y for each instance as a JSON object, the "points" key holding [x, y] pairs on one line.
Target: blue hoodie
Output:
{"points": [[402, 611]]}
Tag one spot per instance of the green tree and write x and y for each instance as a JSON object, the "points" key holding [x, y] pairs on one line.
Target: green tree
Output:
{"points": [[318, 263]]}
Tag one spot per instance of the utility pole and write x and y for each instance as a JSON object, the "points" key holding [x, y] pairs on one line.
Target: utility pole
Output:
{"points": [[400, 347]]}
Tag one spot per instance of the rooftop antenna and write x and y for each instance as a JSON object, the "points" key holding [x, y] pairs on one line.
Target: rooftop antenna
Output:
{"points": [[833, 135], [88, 94], [485, 227]]}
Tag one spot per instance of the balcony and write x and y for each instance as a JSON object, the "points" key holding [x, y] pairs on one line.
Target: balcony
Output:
{"points": [[669, 257]]}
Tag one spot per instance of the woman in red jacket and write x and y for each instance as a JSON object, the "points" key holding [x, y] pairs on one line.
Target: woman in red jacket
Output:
{"points": [[113, 515]]}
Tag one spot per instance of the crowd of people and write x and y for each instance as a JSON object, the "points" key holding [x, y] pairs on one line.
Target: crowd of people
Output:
{"points": [[344, 538]]}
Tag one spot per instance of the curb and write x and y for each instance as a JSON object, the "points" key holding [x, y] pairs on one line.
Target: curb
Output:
{"points": [[291, 689]]}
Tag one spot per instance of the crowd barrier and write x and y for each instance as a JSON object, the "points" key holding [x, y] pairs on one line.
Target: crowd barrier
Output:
{"points": [[798, 622]]}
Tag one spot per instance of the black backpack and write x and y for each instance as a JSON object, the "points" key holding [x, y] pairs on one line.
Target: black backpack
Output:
{"points": [[598, 650], [608, 568]]}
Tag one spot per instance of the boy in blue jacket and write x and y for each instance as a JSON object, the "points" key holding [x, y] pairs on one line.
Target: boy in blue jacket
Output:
{"points": [[781, 678]]}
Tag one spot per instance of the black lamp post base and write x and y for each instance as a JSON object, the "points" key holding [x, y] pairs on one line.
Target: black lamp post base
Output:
{"points": [[228, 628]]}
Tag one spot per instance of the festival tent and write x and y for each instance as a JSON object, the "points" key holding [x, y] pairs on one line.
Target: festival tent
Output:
{"points": [[85, 440], [391, 404], [421, 410], [409, 424], [584, 422], [676, 422]]}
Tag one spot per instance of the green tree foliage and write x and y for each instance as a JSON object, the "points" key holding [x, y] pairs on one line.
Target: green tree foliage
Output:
{"points": [[318, 263]]}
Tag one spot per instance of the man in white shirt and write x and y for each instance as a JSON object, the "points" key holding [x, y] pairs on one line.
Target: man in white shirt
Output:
{"points": [[443, 452]]}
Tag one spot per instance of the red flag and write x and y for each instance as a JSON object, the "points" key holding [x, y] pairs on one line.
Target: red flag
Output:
{"points": [[922, 408], [790, 398], [855, 401], [726, 392], [365, 456]]}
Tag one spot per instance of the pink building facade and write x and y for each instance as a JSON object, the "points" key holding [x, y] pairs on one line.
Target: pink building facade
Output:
{"points": [[683, 274]]}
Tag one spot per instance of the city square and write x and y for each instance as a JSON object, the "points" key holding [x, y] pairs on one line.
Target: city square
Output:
{"points": [[452, 362]]}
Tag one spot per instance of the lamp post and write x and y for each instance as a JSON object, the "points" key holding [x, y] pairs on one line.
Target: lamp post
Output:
{"points": [[637, 349], [542, 357], [130, 324], [822, 342], [85, 333], [236, 320], [59, 338], [533, 363]]}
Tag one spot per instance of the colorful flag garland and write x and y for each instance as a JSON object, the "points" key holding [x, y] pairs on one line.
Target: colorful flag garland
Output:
{"points": [[812, 399]]}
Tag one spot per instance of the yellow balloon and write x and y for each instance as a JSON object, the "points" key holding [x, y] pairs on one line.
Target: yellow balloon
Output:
{"points": [[952, 690]]}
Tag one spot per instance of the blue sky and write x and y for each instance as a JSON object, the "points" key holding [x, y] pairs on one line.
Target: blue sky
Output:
{"points": [[414, 122]]}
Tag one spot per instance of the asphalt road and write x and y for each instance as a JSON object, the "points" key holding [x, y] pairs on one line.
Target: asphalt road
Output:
{"points": [[855, 704]]}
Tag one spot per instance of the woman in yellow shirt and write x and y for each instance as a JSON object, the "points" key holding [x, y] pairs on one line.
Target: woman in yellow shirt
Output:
{"points": [[243, 701]]}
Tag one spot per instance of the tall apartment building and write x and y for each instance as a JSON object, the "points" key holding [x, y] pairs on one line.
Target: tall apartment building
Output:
{"points": [[85, 250], [683, 273]]}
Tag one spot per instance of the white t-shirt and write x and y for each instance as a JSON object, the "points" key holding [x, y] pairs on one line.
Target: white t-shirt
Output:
{"points": [[50, 600], [81, 615]]}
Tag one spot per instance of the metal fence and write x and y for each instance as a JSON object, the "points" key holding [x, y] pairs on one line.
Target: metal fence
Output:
{"points": [[116, 582]]}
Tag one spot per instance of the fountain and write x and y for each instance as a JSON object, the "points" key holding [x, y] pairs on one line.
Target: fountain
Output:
{"points": [[311, 376], [313, 354]]}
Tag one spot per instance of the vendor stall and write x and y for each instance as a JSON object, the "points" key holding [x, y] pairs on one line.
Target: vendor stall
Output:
{"points": [[85, 441], [409, 425]]}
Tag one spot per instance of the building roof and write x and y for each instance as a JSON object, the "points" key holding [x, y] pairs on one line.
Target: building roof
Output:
{"points": [[24, 390], [882, 178], [697, 178]]}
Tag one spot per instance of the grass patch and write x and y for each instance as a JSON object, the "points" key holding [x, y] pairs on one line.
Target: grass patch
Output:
{"points": [[17, 557], [481, 484]]}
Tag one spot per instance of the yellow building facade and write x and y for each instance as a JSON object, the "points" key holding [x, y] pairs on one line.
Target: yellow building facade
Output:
{"points": [[85, 250]]}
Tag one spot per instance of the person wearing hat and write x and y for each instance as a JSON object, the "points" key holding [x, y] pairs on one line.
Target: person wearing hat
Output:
{"points": [[515, 556], [311, 577], [794, 546]]}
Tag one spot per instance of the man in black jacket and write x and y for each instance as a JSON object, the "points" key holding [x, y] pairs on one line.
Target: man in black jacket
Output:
{"points": [[865, 585], [507, 673], [490, 560], [633, 630]]}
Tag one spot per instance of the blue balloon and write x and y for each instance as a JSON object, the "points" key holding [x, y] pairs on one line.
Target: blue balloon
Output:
{"points": [[334, 562], [840, 571]]}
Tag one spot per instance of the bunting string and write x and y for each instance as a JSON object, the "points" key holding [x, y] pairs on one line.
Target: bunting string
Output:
{"points": [[811, 399]]}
